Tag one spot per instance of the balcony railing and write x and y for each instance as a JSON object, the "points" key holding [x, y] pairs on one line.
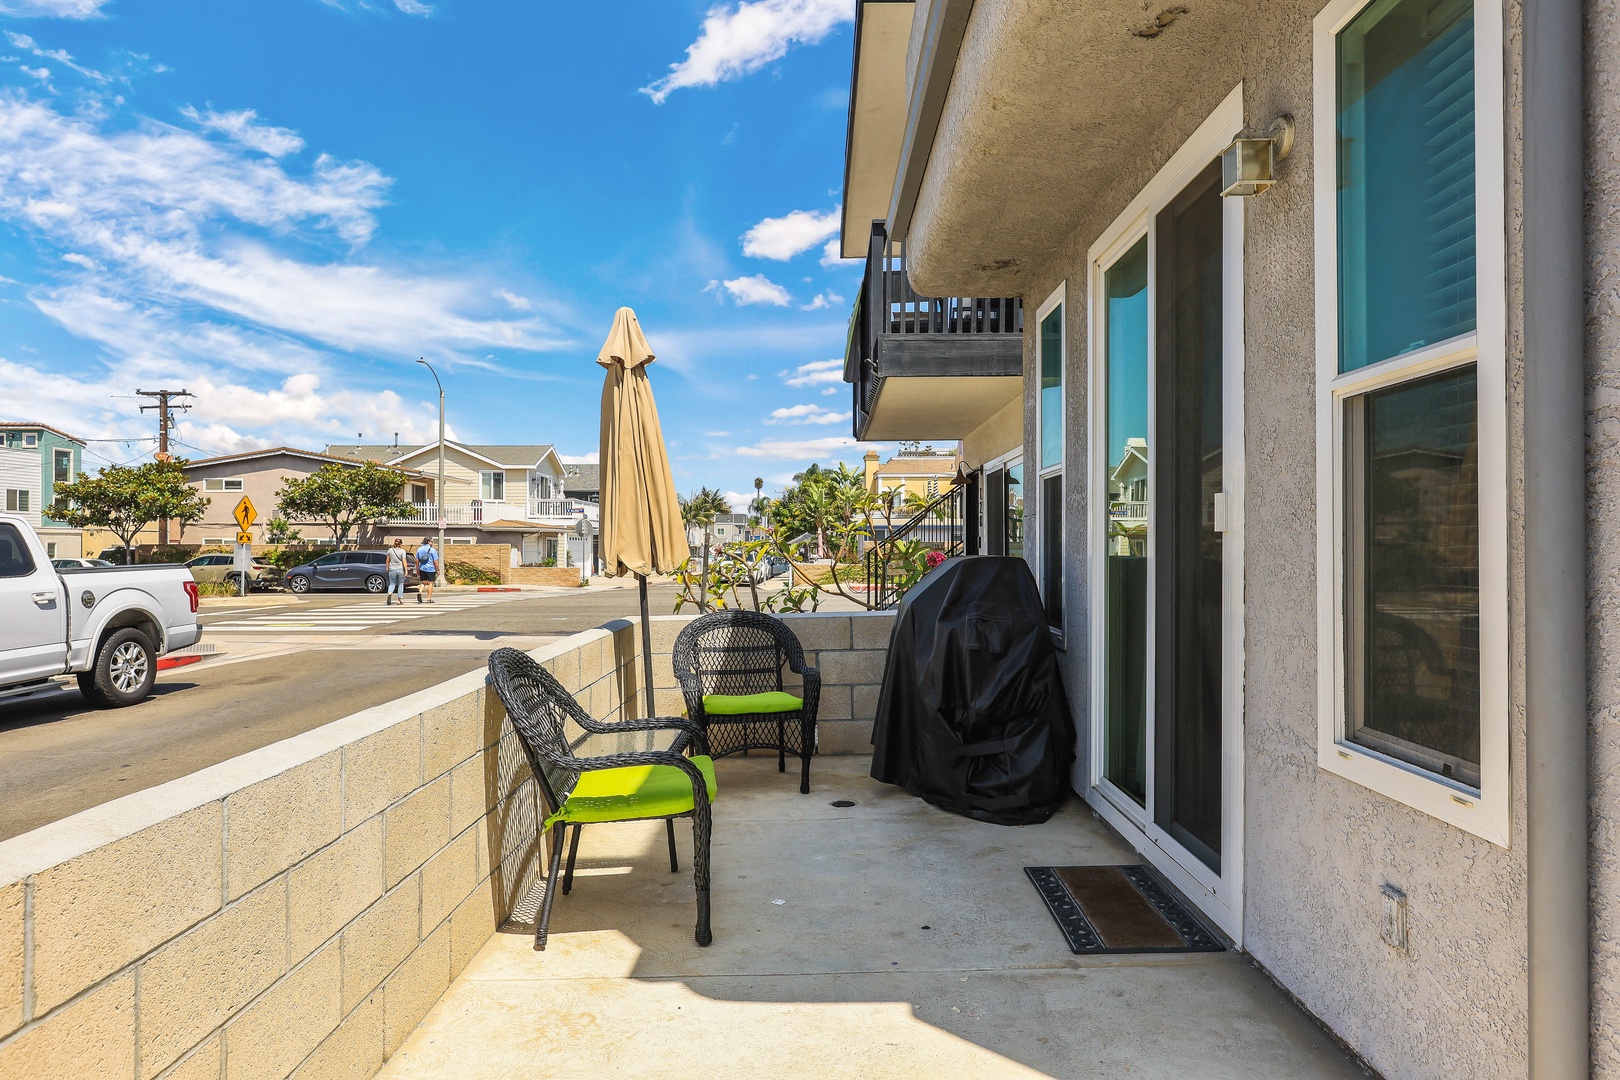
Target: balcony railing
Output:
{"points": [[478, 512], [887, 307], [896, 562]]}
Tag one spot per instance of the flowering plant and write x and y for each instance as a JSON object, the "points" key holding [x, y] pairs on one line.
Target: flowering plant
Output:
{"points": [[934, 558]]}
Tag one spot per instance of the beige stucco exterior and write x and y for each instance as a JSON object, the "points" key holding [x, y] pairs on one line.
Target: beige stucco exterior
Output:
{"points": [[1057, 117]]}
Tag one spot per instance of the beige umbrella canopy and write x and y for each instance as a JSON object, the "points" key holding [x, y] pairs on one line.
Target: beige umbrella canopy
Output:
{"points": [[641, 531]]}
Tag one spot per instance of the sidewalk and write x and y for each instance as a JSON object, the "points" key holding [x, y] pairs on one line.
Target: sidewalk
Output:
{"points": [[883, 940]]}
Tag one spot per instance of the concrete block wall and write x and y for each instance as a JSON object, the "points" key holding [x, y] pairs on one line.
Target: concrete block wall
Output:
{"points": [[563, 576], [292, 912]]}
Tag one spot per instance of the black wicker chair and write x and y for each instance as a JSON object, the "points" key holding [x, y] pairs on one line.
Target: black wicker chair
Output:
{"points": [[729, 664], [632, 785]]}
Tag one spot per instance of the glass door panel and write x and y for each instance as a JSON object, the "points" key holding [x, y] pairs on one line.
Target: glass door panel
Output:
{"points": [[1125, 633], [1187, 624], [1015, 510]]}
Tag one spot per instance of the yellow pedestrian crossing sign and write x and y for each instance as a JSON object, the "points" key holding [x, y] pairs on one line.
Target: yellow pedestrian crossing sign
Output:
{"points": [[244, 537], [245, 514]]}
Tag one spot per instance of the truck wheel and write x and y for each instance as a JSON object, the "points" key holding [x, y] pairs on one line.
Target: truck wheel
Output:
{"points": [[124, 671], [376, 583], [298, 583]]}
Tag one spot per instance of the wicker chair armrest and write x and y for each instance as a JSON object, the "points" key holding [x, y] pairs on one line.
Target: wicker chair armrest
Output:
{"points": [[653, 723], [811, 676]]}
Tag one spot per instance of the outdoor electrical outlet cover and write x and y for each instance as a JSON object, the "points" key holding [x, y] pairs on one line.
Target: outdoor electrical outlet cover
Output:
{"points": [[1394, 930]]}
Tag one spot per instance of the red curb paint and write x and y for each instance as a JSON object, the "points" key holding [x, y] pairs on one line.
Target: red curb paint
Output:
{"points": [[496, 588], [166, 662]]}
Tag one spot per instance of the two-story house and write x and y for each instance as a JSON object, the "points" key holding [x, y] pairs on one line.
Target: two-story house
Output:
{"points": [[493, 494], [1280, 339], [56, 458]]}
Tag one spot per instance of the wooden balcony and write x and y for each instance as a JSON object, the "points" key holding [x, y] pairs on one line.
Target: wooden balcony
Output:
{"points": [[928, 368]]}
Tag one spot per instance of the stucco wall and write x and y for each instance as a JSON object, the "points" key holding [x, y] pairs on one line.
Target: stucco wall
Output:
{"points": [[1318, 848], [1603, 449]]}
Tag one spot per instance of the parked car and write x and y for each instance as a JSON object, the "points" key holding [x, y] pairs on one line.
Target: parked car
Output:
{"points": [[114, 555], [80, 564], [222, 568], [105, 624], [366, 570]]}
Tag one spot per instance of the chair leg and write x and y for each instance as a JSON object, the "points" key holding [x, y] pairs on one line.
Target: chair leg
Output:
{"points": [[573, 850], [542, 924], [807, 746], [674, 863], [701, 828], [781, 745]]}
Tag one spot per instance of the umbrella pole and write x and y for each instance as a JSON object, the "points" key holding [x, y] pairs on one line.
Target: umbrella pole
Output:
{"points": [[646, 647]]}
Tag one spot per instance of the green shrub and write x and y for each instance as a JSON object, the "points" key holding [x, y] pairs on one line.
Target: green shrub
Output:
{"points": [[460, 573]]}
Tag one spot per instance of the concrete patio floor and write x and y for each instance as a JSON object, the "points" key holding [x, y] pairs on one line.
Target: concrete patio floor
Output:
{"points": [[886, 939]]}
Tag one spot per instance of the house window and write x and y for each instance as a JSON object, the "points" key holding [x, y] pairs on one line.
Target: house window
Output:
{"points": [[30, 440], [492, 486], [1412, 451], [418, 494], [61, 466], [50, 549], [1049, 344], [216, 483], [17, 500]]}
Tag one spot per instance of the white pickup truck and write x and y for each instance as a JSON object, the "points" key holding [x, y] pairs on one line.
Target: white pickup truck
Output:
{"points": [[107, 625]]}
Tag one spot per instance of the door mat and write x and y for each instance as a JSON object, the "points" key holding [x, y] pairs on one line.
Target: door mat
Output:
{"points": [[1119, 909]]}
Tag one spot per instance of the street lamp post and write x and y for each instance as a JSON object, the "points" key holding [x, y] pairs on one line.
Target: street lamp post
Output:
{"points": [[438, 491]]}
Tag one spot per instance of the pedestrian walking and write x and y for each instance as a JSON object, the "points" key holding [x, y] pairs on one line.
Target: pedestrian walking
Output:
{"points": [[396, 572], [427, 566]]}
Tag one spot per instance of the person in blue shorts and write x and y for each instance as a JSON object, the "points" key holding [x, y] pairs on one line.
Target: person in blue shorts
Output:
{"points": [[427, 566]]}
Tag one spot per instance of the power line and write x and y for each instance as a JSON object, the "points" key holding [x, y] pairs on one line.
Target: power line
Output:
{"points": [[165, 406]]}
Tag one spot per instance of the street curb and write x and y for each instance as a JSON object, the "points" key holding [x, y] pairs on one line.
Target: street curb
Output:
{"points": [[166, 662], [498, 588]]}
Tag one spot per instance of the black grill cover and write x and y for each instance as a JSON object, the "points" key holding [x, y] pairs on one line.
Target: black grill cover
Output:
{"points": [[973, 717]]}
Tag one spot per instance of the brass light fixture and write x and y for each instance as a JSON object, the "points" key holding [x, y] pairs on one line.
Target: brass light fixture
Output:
{"points": [[1248, 166]]}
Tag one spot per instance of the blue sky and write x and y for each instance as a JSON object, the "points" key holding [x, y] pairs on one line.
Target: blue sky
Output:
{"points": [[279, 206]]}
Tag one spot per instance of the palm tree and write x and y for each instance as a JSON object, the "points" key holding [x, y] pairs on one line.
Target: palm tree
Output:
{"points": [[699, 509]]}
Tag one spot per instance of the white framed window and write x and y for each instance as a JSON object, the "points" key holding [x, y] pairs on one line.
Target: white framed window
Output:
{"points": [[50, 549], [1050, 435], [17, 500], [61, 466], [30, 440], [222, 483], [492, 486], [1411, 405], [453, 540], [217, 540]]}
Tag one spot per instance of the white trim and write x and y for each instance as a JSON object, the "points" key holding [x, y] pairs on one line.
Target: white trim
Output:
{"points": [[1483, 812], [1054, 300], [1220, 897]]}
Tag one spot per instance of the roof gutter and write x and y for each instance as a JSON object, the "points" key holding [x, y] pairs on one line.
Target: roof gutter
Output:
{"points": [[942, 41], [1555, 514]]}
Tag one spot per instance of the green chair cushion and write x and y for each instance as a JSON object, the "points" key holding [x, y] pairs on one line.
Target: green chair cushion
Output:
{"points": [[774, 701], [631, 792]]}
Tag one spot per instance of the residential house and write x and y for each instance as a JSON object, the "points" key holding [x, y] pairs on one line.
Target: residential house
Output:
{"points": [[581, 480], [493, 494], [58, 459], [1326, 262], [257, 475]]}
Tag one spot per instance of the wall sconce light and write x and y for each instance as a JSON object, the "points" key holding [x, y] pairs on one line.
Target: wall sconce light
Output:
{"points": [[1248, 166]]}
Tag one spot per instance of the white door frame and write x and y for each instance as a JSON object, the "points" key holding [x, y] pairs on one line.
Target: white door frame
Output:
{"points": [[1219, 897]]}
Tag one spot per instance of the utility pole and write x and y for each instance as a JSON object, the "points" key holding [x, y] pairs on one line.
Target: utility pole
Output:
{"points": [[164, 407], [438, 492]]}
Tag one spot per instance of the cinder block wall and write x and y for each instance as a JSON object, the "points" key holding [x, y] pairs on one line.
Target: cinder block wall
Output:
{"points": [[292, 912], [296, 911]]}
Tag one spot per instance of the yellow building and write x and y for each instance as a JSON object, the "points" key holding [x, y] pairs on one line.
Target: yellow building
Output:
{"points": [[925, 474]]}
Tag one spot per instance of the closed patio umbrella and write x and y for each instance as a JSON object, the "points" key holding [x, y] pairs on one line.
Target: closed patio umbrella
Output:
{"points": [[641, 518]]}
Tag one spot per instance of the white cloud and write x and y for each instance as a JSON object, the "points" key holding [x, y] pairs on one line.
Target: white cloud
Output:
{"points": [[738, 500], [838, 447], [513, 300], [717, 434], [784, 237], [822, 300], [413, 7], [164, 210], [739, 41], [805, 414], [53, 9], [581, 459], [833, 254], [815, 373], [757, 289], [407, 7], [243, 128]]}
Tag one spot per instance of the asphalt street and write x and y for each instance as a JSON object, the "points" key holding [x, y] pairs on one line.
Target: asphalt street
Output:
{"points": [[281, 668]]}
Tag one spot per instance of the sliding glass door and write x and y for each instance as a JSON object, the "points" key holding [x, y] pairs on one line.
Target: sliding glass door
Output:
{"points": [[1166, 550]]}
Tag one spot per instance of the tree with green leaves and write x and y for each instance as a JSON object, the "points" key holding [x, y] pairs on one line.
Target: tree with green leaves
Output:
{"points": [[124, 500], [343, 496], [698, 510]]}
